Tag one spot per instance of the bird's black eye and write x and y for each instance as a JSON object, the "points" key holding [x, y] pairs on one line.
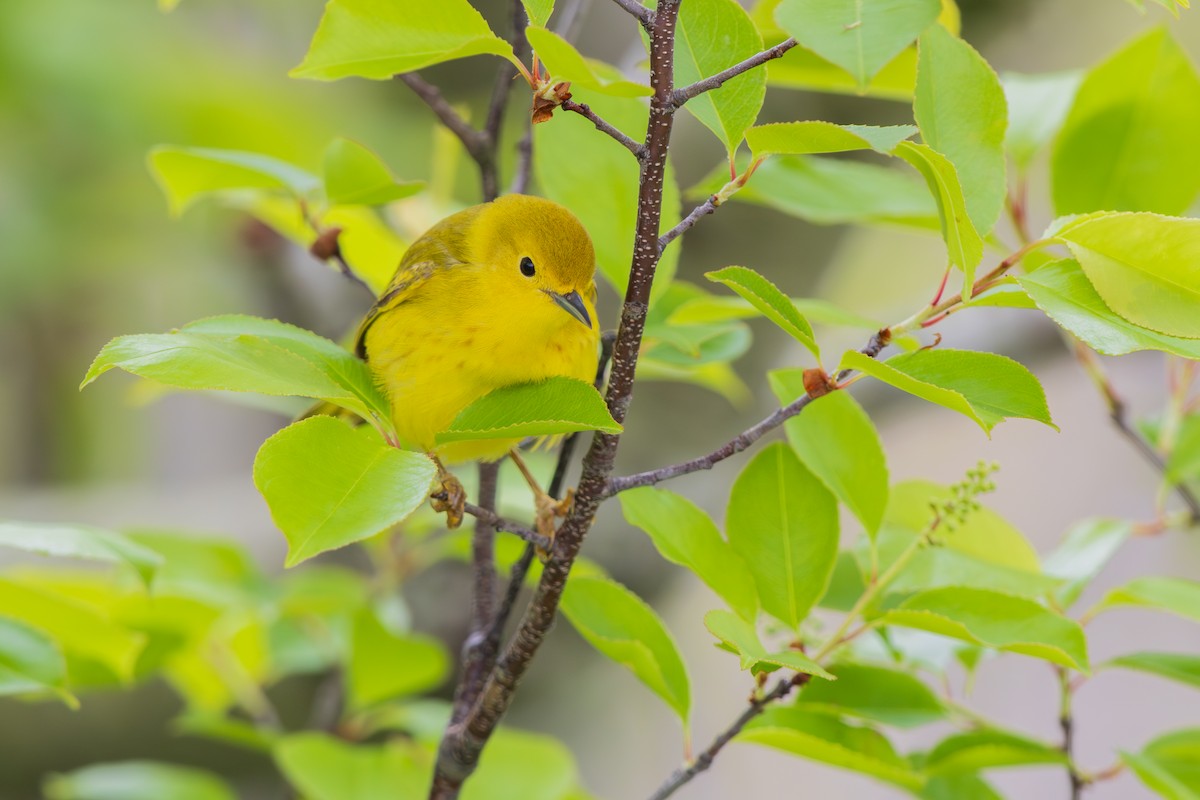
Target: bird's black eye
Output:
{"points": [[527, 267]]}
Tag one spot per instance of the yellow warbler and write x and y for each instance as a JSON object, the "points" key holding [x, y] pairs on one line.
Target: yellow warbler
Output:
{"points": [[498, 294]]}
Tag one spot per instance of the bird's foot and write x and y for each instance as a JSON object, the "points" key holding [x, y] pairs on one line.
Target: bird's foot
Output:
{"points": [[549, 510], [449, 497]]}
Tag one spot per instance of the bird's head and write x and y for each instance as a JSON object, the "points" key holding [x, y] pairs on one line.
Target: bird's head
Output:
{"points": [[540, 257]]}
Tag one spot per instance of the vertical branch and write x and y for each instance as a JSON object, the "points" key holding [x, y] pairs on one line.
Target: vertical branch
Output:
{"points": [[476, 660], [459, 752], [1066, 722]]}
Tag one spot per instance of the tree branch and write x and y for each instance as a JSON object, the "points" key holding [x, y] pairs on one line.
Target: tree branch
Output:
{"points": [[1119, 414], [703, 761], [643, 15], [494, 520], [520, 182], [476, 142], [459, 752], [475, 661], [738, 443], [704, 209], [1066, 723], [585, 111], [734, 446], [681, 96]]}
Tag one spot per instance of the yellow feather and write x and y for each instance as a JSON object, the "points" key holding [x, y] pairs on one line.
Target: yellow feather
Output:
{"points": [[460, 318]]}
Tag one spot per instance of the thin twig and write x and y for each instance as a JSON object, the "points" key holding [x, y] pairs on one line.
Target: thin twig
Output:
{"points": [[639, 11], [520, 182], [703, 761], [1066, 723], [1118, 412], [681, 96], [475, 141], [508, 526], [458, 753], [585, 111], [738, 443], [704, 209]]}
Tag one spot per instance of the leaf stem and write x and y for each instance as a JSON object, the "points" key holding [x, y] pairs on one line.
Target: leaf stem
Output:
{"points": [[838, 637]]}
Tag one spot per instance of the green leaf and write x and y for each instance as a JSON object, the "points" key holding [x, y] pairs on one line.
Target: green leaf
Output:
{"points": [[963, 244], [247, 354], [1127, 143], [713, 35], [846, 585], [800, 68], [961, 561], [1063, 292], [876, 694], [985, 387], [538, 11], [986, 749], [221, 728], [1168, 765], [322, 767], [835, 439], [621, 626], [958, 786], [1173, 595], [517, 765], [80, 541], [378, 39], [692, 345], [565, 63], [711, 308], [87, 636], [329, 485], [685, 535], [961, 111], [137, 780], [31, 663], [1181, 667], [805, 138], [784, 523], [738, 636], [827, 739], [356, 176], [1183, 462], [995, 620], [770, 302], [339, 364], [827, 191], [384, 666], [1037, 107], [1084, 551], [598, 179], [553, 406], [858, 37], [1144, 266], [187, 174]]}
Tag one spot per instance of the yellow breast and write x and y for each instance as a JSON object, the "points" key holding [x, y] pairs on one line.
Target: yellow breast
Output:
{"points": [[462, 335]]}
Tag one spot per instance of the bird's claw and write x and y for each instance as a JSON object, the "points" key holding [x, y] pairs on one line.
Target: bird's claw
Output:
{"points": [[548, 510], [450, 498]]}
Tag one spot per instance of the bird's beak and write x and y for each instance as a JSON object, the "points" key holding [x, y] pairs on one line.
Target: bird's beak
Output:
{"points": [[572, 303]]}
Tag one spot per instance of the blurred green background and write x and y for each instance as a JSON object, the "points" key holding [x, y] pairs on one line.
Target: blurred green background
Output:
{"points": [[88, 252]]}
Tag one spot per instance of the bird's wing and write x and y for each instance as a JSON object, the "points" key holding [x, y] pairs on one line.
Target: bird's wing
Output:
{"points": [[443, 246]]}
